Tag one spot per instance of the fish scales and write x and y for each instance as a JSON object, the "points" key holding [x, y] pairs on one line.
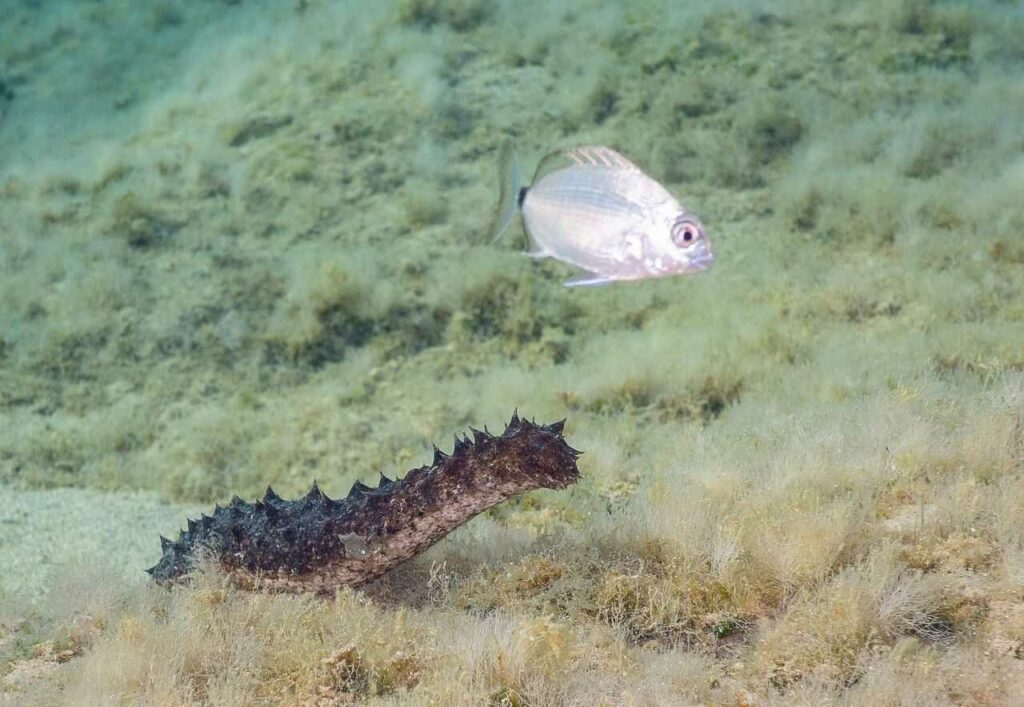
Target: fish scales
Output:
{"points": [[591, 206], [605, 216]]}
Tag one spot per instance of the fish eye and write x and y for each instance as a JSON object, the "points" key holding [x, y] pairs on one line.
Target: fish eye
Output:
{"points": [[685, 233]]}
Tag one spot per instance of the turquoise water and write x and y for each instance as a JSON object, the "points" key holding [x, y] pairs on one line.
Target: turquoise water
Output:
{"points": [[245, 243]]}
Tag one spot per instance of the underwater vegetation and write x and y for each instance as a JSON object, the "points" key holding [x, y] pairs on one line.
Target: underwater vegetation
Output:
{"points": [[6, 96], [241, 246]]}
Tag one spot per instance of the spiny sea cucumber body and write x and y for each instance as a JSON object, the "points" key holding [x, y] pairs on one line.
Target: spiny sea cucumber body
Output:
{"points": [[317, 544]]}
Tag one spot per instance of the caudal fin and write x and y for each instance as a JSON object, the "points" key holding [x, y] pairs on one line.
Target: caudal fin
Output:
{"points": [[511, 187]]}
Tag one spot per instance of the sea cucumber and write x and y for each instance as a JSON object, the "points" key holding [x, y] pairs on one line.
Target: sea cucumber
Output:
{"points": [[317, 544]]}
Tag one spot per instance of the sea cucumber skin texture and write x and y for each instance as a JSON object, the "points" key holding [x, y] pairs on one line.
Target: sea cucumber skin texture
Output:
{"points": [[300, 545]]}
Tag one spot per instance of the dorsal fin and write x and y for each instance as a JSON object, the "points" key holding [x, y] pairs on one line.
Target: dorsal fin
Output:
{"points": [[585, 156], [599, 156]]}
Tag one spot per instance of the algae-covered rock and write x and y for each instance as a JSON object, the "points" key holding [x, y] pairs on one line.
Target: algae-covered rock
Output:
{"points": [[426, 209], [771, 133], [459, 15], [6, 97], [141, 225], [603, 103], [254, 128], [322, 318]]}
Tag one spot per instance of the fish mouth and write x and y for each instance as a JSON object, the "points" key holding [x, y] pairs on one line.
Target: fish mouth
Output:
{"points": [[702, 261]]}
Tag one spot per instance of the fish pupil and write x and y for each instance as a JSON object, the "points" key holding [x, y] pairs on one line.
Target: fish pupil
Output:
{"points": [[684, 234]]}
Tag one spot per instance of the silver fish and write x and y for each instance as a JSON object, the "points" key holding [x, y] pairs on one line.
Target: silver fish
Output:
{"points": [[601, 213]]}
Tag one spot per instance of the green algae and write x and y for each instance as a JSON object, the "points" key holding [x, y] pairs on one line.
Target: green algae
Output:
{"points": [[275, 276]]}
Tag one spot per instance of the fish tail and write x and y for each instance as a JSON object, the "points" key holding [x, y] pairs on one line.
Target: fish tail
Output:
{"points": [[512, 191]]}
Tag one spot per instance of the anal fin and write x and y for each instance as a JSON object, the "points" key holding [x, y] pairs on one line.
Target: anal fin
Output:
{"points": [[586, 279]]}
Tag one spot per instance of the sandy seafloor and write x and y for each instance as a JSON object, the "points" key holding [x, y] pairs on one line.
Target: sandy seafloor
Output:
{"points": [[245, 242]]}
